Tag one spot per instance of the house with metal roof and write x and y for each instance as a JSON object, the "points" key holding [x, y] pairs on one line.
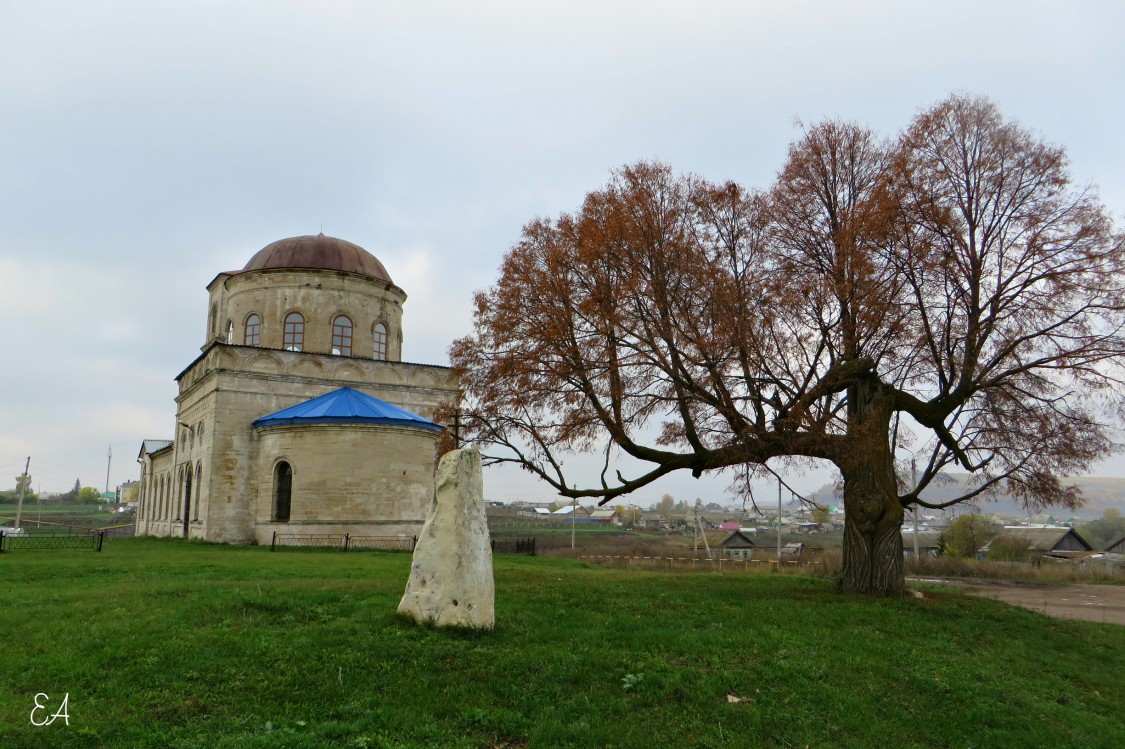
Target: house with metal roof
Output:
{"points": [[738, 545], [299, 417], [606, 515], [1045, 540], [927, 543]]}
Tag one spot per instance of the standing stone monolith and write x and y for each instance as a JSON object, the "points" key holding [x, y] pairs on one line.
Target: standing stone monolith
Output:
{"points": [[451, 577]]}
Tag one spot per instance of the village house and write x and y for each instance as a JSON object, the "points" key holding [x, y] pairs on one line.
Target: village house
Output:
{"points": [[927, 543], [737, 545], [608, 516], [1055, 541]]}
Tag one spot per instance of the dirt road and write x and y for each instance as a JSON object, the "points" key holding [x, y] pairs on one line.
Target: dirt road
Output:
{"points": [[1095, 603]]}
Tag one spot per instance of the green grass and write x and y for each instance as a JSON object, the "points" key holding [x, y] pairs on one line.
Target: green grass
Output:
{"points": [[172, 644], [33, 509]]}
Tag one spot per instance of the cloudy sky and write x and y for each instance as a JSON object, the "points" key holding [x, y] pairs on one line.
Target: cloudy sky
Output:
{"points": [[146, 146]]}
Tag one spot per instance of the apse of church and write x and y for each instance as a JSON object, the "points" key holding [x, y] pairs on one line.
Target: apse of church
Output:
{"points": [[299, 416]]}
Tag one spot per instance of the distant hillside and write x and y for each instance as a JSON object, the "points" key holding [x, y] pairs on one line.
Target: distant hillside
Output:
{"points": [[1100, 493]]}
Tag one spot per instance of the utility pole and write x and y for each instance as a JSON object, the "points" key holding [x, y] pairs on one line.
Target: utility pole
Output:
{"points": [[108, 460], [23, 483], [914, 480], [779, 521], [573, 509], [699, 534]]}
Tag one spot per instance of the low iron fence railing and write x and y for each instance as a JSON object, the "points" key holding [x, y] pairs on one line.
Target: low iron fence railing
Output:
{"points": [[51, 541], [345, 542], [514, 546], [348, 542]]}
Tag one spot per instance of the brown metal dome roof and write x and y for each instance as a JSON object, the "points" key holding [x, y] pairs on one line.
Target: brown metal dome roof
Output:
{"points": [[318, 252]]}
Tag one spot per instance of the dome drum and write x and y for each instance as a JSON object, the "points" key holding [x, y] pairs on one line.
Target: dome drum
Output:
{"points": [[314, 294]]}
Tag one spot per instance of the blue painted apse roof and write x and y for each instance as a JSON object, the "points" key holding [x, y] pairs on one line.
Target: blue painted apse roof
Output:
{"points": [[346, 406]]}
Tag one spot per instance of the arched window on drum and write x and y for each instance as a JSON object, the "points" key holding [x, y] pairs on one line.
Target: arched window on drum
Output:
{"points": [[294, 333], [342, 335], [253, 330], [380, 338]]}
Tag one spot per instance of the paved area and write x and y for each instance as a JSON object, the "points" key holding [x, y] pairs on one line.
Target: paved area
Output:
{"points": [[1095, 603]]}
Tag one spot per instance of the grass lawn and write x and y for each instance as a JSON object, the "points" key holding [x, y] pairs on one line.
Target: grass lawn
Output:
{"points": [[33, 509], [173, 644]]}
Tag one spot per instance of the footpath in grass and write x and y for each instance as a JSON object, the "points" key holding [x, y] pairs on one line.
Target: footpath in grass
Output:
{"points": [[172, 644]]}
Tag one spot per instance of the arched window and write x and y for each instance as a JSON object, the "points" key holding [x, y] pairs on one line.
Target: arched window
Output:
{"points": [[294, 334], [230, 332], [253, 334], [283, 491], [186, 509], [380, 336], [179, 497], [342, 336], [198, 487]]}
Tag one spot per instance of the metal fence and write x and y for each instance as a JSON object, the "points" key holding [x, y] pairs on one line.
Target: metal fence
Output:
{"points": [[51, 541], [514, 546], [384, 543], [348, 542], [343, 542], [702, 564]]}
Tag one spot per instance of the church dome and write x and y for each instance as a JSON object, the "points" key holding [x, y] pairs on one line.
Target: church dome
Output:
{"points": [[318, 252]]}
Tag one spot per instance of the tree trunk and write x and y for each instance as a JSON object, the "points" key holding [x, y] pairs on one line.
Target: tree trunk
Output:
{"points": [[873, 516], [872, 547]]}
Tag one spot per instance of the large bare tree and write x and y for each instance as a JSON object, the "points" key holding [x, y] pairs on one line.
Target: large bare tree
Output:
{"points": [[949, 290]]}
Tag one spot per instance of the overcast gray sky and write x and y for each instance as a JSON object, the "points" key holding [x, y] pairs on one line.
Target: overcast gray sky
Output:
{"points": [[146, 146]]}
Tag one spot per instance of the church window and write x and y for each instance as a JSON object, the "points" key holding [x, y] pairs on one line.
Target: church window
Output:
{"points": [[178, 492], [294, 334], [283, 491], [230, 332], [253, 335], [342, 336], [380, 342], [198, 487]]}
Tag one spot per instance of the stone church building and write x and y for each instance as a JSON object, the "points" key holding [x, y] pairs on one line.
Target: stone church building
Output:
{"points": [[299, 416]]}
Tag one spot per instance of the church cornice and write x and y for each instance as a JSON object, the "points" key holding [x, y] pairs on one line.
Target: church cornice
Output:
{"points": [[231, 275], [362, 361]]}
